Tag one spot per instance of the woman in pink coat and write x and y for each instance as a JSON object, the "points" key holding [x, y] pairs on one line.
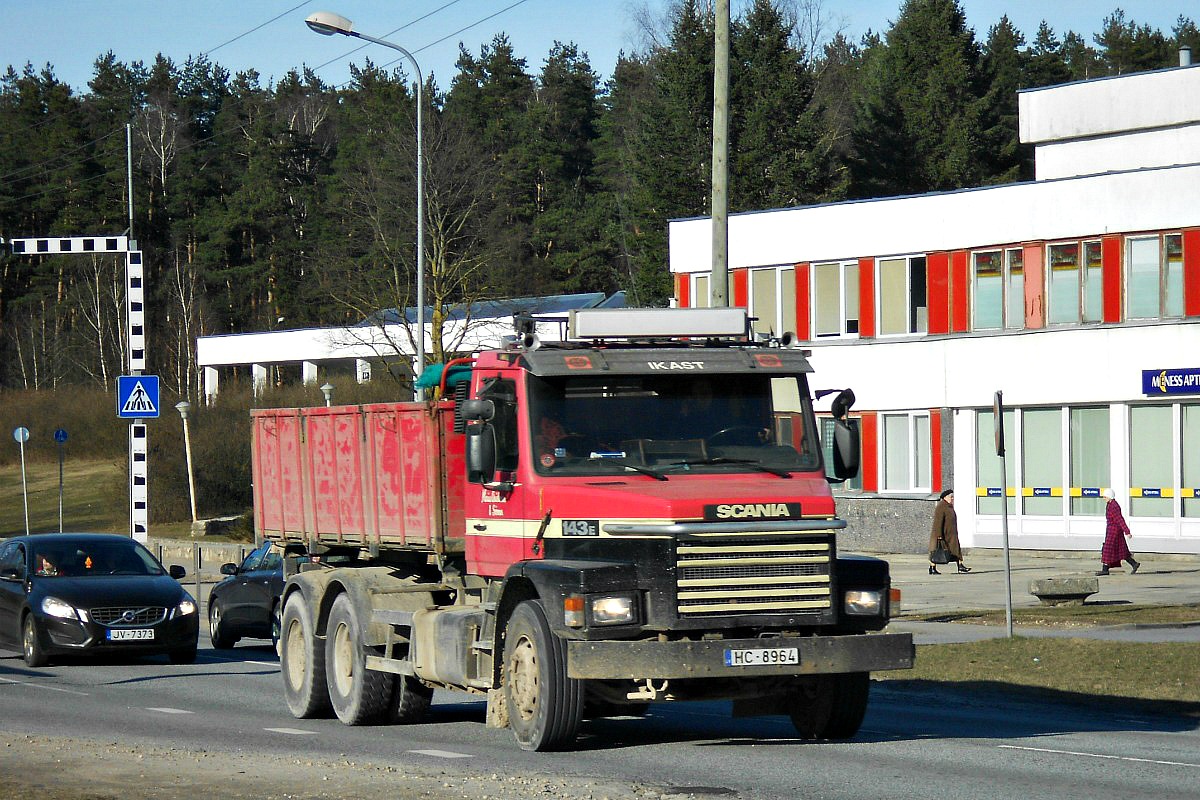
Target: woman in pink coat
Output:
{"points": [[1116, 531]]}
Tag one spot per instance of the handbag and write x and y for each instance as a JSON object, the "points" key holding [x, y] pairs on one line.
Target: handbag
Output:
{"points": [[940, 554]]}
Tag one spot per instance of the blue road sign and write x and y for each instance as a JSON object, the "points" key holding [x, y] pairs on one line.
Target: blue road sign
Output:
{"points": [[60, 435], [137, 397]]}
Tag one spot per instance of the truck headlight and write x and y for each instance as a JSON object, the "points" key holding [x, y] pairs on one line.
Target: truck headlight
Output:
{"points": [[58, 608], [613, 610], [863, 602]]}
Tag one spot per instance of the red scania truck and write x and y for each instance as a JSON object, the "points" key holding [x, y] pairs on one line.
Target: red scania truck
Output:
{"points": [[637, 514]]}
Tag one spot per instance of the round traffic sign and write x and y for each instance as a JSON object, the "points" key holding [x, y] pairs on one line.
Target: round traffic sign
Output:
{"points": [[60, 435], [21, 434]]}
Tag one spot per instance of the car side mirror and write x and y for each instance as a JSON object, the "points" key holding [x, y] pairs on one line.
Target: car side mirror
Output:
{"points": [[229, 569], [177, 572], [9, 573]]}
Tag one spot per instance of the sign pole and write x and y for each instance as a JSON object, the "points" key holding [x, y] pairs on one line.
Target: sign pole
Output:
{"points": [[21, 435], [60, 437], [998, 422]]}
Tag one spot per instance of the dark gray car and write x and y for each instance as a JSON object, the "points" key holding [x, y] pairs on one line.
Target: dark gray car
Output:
{"points": [[246, 602]]}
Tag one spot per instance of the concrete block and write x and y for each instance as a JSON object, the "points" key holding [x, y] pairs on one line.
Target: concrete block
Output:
{"points": [[1064, 590]]}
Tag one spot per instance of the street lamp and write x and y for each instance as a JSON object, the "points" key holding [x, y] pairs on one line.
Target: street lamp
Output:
{"points": [[327, 390], [327, 24], [183, 407]]}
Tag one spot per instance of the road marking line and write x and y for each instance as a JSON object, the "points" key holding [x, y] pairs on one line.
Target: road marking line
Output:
{"points": [[1099, 755], [43, 686], [441, 753], [291, 731], [171, 710], [263, 663]]}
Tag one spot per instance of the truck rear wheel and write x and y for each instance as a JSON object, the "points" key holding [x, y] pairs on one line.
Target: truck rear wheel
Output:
{"points": [[829, 706], [544, 705], [358, 695], [410, 700], [302, 662]]}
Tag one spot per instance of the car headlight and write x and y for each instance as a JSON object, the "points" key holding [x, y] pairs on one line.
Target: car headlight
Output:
{"points": [[186, 606], [58, 608], [863, 602], [613, 610]]}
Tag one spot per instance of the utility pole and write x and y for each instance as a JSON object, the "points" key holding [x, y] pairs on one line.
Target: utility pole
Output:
{"points": [[719, 283]]}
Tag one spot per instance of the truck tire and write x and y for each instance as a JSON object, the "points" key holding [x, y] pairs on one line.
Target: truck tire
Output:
{"points": [[302, 662], [544, 705], [221, 639], [359, 695], [829, 706], [410, 700]]}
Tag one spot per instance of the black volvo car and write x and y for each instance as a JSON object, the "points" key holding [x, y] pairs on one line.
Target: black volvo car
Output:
{"points": [[92, 593]]}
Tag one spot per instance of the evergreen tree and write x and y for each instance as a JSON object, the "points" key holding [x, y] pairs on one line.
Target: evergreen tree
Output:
{"points": [[921, 111], [1046, 65], [1004, 69]]}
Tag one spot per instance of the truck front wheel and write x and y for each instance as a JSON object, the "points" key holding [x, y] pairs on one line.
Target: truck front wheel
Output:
{"points": [[302, 662], [544, 705], [829, 706], [359, 695]]}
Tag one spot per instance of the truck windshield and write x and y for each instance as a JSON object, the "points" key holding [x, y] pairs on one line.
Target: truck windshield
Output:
{"points": [[672, 424]]}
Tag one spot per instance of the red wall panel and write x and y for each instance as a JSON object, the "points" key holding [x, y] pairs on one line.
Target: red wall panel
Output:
{"points": [[683, 284], [960, 282], [741, 288], [1035, 285], [866, 297], [1191, 272], [803, 318], [938, 288], [1110, 258], [869, 435]]}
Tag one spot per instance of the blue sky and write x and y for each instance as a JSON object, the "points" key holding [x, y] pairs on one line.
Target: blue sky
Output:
{"points": [[70, 34]]}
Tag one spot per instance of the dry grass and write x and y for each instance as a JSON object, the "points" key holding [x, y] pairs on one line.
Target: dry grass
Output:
{"points": [[1089, 615], [1083, 668]]}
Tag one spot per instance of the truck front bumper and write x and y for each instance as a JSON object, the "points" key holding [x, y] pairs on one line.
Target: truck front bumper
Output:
{"points": [[623, 660]]}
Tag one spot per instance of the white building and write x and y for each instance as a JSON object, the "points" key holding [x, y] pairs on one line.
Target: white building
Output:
{"points": [[1077, 295]]}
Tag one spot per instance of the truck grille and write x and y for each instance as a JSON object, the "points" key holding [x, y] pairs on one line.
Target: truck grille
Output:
{"points": [[753, 574]]}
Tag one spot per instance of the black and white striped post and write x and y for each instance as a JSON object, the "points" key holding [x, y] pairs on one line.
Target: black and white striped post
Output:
{"points": [[135, 339]]}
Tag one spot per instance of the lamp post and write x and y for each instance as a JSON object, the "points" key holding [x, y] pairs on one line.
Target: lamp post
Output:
{"points": [[327, 390], [327, 24], [183, 407]]}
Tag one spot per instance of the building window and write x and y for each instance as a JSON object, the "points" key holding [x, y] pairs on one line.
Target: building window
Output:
{"points": [[835, 299], [1042, 461], [764, 306], [903, 302], [1090, 471], [987, 463], [850, 484], [1014, 281], [1191, 461], [1154, 276], [1076, 290], [906, 452], [1151, 461], [998, 296]]}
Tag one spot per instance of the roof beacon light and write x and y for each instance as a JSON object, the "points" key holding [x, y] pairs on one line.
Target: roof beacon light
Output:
{"points": [[657, 323]]}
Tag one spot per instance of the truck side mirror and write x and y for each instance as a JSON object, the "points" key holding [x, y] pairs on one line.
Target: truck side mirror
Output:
{"points": [[845, 448], [481, 451], [478, 410]]}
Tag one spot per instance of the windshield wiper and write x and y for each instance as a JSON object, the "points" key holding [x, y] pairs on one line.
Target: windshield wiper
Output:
{"points": [[620, 462], [749, 462]]}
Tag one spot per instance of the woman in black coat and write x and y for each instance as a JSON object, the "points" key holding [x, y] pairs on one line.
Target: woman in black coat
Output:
{"points": [[945, 528]]}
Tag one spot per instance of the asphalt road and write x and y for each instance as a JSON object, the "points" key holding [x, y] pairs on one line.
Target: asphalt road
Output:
{"points": [[918, 741]]}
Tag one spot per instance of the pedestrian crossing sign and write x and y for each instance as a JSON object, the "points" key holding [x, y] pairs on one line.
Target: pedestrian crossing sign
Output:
{"points": [[137, 397]]}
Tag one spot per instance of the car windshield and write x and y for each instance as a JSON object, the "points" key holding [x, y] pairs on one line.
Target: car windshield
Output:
{"points": [[664, 425], [75, 559]]}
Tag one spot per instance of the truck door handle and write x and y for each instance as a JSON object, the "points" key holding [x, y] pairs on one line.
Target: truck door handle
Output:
{"points": [[479, 527]]}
